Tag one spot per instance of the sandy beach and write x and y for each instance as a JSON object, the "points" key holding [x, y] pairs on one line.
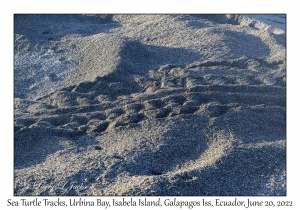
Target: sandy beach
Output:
{"points": [[152, 105]]}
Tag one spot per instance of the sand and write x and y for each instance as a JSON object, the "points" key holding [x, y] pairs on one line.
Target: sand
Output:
{"points": [[150, 105]]}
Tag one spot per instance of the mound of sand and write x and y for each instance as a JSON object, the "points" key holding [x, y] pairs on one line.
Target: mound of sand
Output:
{"points": [[150, 105]]}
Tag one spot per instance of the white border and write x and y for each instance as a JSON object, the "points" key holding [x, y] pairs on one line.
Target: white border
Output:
{"points": [[8, 8]]}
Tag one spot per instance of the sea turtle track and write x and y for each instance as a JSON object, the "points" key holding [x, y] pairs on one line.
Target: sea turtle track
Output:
{"points": [[203, 100], [110, 103]]}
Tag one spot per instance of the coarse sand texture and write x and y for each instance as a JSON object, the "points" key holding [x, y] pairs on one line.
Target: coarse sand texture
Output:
{"points": [[150, 105]]}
